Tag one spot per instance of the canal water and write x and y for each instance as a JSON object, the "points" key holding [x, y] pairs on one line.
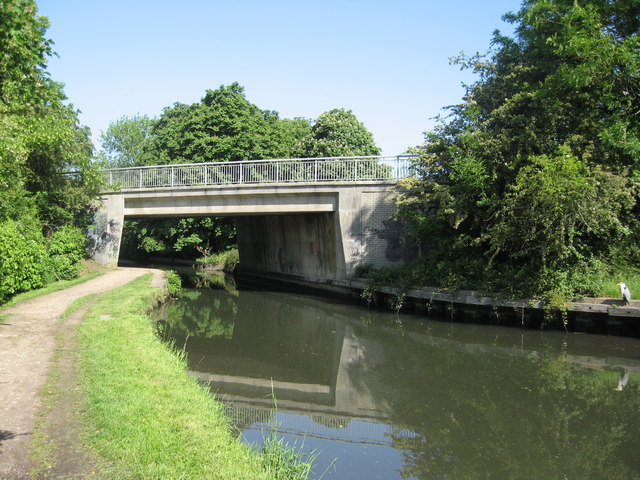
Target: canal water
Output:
{"points": [[381, 396]]}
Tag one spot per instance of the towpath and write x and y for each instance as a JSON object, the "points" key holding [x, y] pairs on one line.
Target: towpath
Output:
{"points": [[28, 335]]}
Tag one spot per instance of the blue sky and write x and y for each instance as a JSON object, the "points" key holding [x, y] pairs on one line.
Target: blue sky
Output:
{"points": [[388, 61]]}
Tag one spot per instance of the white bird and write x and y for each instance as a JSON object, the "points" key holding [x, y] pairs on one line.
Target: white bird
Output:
{"points": [[622, 381], [626, 293]]}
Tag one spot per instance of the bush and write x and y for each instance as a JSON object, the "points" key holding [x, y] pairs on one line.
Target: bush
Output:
{"points": [[225, 261], [66, 251], [23, 258], [231, 259], [174, 282]]}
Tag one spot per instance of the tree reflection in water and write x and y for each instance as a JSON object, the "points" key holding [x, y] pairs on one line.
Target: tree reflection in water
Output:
{"points": [[196, 314], [485, 415]]}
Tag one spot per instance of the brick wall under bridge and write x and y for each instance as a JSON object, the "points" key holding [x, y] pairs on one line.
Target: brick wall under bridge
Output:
{"points": [[313, 230]]}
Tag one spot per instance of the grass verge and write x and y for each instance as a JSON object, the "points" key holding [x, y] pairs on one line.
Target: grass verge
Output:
{"points": [[148, 418]]}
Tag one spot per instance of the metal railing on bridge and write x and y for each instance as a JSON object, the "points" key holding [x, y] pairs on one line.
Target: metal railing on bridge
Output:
{"points": [[298, 170], [319, 425]]}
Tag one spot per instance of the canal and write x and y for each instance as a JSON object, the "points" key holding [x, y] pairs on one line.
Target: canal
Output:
{"points": [[382, 396]]}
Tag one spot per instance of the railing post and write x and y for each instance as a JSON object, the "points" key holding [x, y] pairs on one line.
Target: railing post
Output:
{"points": [[140, 177], [172, 175], [315, 171]]}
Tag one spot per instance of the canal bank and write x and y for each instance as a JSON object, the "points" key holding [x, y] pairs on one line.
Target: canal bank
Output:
{"points": [[147, 418], [606, 316]]}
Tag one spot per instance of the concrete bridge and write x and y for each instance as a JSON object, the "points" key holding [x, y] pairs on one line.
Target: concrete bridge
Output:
{"points": [[315, 217]]}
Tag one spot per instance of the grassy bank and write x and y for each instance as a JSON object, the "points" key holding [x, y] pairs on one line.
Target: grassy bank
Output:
{"points": [[149, 420]]}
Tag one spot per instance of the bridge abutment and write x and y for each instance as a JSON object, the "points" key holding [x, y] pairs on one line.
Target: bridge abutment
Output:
{"points": [[106, 235], [318, 231]]}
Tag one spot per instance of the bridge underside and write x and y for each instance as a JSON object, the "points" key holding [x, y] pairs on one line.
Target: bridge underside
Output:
{"points": [[320, 231]]}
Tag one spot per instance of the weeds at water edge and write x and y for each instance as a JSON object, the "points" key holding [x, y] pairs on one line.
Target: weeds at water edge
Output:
{"points": [[286, 461]]}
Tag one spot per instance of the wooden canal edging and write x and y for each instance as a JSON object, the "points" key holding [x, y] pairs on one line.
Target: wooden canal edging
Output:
{"points": [[592, 315]]}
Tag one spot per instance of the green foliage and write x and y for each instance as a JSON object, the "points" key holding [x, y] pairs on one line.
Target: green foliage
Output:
{"points": [[40, 136], [23, 259], [290, 133], [28, 260], [285, 461], [174, 282], [225, 261], [559, 211], [126, 142], [52, 287], [631, 277], [402, 277], [177, 237], [363, 270], [66, 251], [531, 184], [337, 133], [47, 178], [224, 126], [24, 53]]}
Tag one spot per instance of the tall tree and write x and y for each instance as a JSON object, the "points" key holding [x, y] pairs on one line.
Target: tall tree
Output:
{"points": [[126, 142], [40, 136], [25, 51], [223, 126], [337, 133], [531, 179], [47, 179]]}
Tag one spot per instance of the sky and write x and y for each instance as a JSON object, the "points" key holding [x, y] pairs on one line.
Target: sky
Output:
{"points": [[387, 61]]}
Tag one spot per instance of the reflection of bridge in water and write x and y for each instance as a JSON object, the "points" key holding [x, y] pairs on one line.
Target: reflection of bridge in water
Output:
{"points": [[324, 373], [320, 425]]}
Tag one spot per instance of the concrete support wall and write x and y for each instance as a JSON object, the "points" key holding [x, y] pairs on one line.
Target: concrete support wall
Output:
{"points": [[368, 234], [302, 244], [361, 214], [330, 245], [106, 235]]}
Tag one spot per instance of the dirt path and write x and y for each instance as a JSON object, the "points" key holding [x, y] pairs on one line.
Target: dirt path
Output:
{"points": [[27, 342]]}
